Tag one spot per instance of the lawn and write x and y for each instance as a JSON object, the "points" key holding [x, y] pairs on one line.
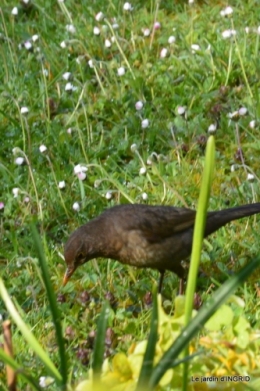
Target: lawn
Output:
{"points": [[105, 103]]}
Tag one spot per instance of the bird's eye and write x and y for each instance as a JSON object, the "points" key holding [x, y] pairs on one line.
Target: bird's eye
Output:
{"points": [[79, 259]]}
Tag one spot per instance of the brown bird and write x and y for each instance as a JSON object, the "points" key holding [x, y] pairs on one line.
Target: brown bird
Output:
{"points": [[157, 237]]}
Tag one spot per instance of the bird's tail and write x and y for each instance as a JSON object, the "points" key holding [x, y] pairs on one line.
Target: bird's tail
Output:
{"points": [[217, 219]]}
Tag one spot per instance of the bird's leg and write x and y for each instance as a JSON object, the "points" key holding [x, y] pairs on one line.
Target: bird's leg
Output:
{"points": [[160, 282]]}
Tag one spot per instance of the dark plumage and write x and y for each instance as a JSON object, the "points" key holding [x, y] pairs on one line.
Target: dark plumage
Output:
{"points": [[157, 237]]}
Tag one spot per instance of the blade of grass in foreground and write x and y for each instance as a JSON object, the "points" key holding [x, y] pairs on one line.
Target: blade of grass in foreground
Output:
{"points": [[99, 347], [28, 335], [55, 312], [147, 366], [219, 297], [198, 235]]}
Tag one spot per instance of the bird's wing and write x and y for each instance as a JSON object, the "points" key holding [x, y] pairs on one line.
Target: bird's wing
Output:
{"points": [[157, 223]]}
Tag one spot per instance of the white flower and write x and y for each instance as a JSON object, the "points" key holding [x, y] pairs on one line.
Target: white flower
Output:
{"points": [[107, 43], [45, 72], [247, 30], [127, 7], [19, 161], [79, 168], [66, 75], [212, 128], [76, 206], [242, 111], [69, 130], [62, 184], [42, 148], [28, 45], [45, 381], [2, 205], [233, 168], [35, 37], [90, 63], [24, 110], [14, 11], [121, 71], [227, 11], [70, 28], [157, 25], [63, 44], [82, 176], [15, 191], [146, 32], [195, 48], [142, 171], [139, 105], [228, 33], [70, 87], [80, 171], [26, 199], [96, 30], [181, 110], [250, 177], [145, 123], [109, 195], [145, 196], [258, 30], [99, 16], [171, 39], [191, 1], [115, 26], [133, 147], [252, 124], [163, 53]]}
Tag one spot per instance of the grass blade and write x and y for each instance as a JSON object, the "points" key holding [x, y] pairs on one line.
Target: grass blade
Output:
{"points": [[55, 312], [28, 335], [147, 366], [198, 235], [199, 227], [99, 347]]}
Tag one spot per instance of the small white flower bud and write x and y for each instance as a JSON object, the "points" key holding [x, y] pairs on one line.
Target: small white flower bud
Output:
{"points": [[62, 184], [145, 123], [76, 206], [42, 148], [145, 196], [19, 161]]}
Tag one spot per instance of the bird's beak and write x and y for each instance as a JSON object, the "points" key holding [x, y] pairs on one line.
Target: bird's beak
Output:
{"points": [[67, 275]]}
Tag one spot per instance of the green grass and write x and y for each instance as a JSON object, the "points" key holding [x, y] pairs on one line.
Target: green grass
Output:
{"points": [[219, 79]]}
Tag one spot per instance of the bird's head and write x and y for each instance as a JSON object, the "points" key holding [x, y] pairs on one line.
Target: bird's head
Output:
{"points": [[77, 251]]}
